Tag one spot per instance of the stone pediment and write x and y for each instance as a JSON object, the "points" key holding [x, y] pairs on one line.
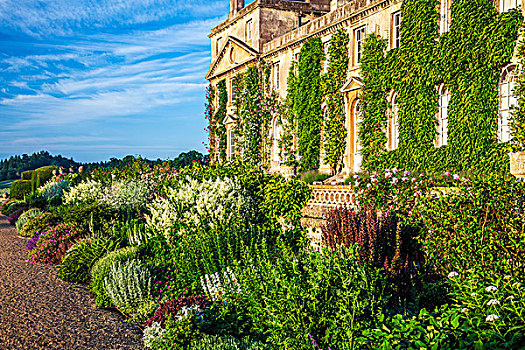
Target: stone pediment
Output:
{"points": [[354, 83], [234, 53]]}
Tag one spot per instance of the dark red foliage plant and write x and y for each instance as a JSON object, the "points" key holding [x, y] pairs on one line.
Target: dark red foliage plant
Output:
{"points": [[383, 242], [172, 307]]}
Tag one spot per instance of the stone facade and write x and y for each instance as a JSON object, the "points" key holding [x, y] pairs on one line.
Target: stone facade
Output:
{"points": [[275, 30]]}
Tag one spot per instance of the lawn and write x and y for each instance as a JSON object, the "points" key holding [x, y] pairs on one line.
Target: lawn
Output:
{"points": [[6, 184]]}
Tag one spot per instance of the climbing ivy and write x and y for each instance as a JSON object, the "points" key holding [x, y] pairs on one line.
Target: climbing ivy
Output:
{"points": [[467, 59], [307, 101], [208, 115], [334, 134], [372, 130], [256, 104], [219, 118], [518, 120], [289, 121]]}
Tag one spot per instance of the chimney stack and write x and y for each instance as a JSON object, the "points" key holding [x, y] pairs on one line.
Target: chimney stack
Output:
{"points": [[235, 6]]}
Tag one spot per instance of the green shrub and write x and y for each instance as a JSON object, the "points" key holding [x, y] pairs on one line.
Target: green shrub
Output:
{"points": [[27, 175], [26, 216], [77, 263], [38, 224], [328, 295], [20, 188], [487, 312], [43, 175], [128, 284], [313, 176], [89, 217], [102, 268], [478, 225], [14, 205], [210, 342]]}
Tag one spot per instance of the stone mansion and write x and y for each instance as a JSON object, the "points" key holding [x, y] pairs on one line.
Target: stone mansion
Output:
{"points": [[275, 30]]}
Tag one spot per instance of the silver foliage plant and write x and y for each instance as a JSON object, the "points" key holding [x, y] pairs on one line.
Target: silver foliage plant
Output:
{"points": [[153, 335], [128, 284], [200, 203]]}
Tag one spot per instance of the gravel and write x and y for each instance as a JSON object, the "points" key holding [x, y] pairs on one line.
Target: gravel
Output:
{"points": [[39, 311]]}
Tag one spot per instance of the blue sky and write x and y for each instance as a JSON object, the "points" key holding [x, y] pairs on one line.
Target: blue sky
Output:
{"points": [[94, 79]]}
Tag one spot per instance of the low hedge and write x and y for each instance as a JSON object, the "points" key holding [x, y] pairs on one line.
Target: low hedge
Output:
{"points": [[45, 174], [27, 175], [38, 224], [20, 188]]}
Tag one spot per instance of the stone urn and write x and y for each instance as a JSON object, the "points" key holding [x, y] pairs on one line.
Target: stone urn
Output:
{"points": [[517, 164]]}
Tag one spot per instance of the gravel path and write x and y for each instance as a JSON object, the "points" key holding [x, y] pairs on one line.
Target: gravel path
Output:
{"points": [[39, 311]]}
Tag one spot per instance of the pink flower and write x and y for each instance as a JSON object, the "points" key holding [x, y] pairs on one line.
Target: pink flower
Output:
{"points": [[395, 170], [368, 185], [447, 173], [387, 175], [414, 179], [456, 177], [405, 179], [356, 176], [395, 180], [407, 172]]}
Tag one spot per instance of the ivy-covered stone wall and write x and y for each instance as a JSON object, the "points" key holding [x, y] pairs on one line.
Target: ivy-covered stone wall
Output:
{"points": [[467, 60]]}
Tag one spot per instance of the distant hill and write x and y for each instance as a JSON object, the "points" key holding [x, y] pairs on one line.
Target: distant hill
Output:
{"points": [[14, 166]]}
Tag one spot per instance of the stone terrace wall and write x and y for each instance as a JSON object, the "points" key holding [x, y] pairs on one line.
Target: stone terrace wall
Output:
{"points": [[324, 198]]}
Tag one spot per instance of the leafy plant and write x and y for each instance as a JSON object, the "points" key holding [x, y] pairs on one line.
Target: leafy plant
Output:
{"points": [[38, 223], [102, 268], [77, 263], [128, 284], [26, 216], [20, 188], [292, 295], [173, 307], [210, 342], [479, 225]]}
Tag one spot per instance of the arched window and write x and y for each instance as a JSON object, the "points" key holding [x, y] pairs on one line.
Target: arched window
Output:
{"points": [[394, 123], [277, 132], [444, 99], [507, 100], [358, 118]]}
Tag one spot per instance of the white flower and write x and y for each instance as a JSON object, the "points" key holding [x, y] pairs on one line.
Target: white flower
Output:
{"points": [[510, 297], [516, 285], [453, 274], [507, 277], [491, 289], [491, 318], [493, 302], [474, 294], [465, 310]]}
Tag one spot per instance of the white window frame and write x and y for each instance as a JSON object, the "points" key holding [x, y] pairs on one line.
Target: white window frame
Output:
{"points": [[277, 75], [359, 40], [358, 119], [396, 29], [443, 25], [394, 119], [443, 103], [326, 48], [507, 100], [219, 42], [233, 92], [249, 30], [277, 131], [232, 144]]}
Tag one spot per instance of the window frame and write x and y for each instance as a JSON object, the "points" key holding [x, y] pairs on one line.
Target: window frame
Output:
{"points": [[249, 30], [358, 43], [396, 30]]}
